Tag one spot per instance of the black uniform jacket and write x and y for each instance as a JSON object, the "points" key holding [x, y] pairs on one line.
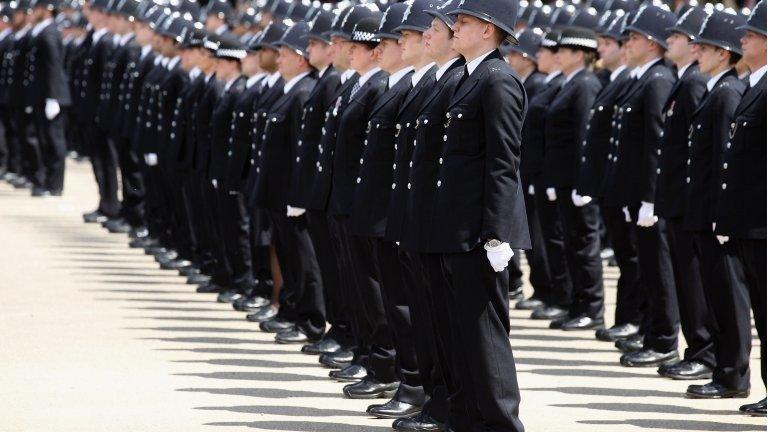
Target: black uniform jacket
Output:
{"points": [[202, 118], [242, 135], [222, 140], [532, 150], [46, 62]]}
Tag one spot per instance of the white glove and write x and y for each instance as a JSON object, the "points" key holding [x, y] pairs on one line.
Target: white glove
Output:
{"points": [[578, 200], [531, 190], [52, 109], [295, 211], [627, 217], [722, 239], [215, 183], [645, 216], [499, 256], [551, 195], [150, 159]]}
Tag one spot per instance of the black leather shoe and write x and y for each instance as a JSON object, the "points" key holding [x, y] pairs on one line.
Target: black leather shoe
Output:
{"points": [[40, 192], [420, 423], [118, 226], [275, 325], [293, 336], [713, 390], [549, 313], [336, 360], [250, 303], [557, 323], [138, 232], [686, 370], [582, 323], [209, 288], [632, 344], [648, 358], [228, 296], [529, 304], [21, 183], [176, 264], [166, 257], [189, 271], [755, 409], [349, 373], [199, 279], [393, 409], [369, 388], [323, 346], [142, 242], [516, 294], [94, 217], [264, 314], [155, 249], [617, 332]]}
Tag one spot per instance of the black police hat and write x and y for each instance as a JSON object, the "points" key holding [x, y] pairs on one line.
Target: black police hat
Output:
{"points": [[690, 22], [271, 34], [721, 29], [99, 5], [392, 18], [366, 29], [129, 9], [220, 8], [355, 15], [175, 28], [524, 13], [550, 39], [6, 12], [625, 5], [194, 38], [652, 21], [416, 17], [587, 18], [756, 20], [47, 4], [320, 26], [528, 42], [279, 9], [441, 12], [540, 17], [211, 42], [230, 48], [579, 38], [296, 38], [189, 9], [501, 13], [562, 16], [301, 10], [614, 29], [599, 5]]}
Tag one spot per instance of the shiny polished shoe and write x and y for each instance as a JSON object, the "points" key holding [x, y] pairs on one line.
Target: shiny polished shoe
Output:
{"points": [[686, 370], [94, 217], [649, 358], [557, 323], [167, 256], [40, 192], [349, 373], [393, 409], [275, 325], [713, 390], [369, 388], [228, 296], [582, 323], [632, 344], [617, 332], [198, 279], [323, 346], [138, 232], [548, 313], [21, 183], [250, 303], [293, 336], [529, 304], [419, 423], [264, 314], [155, 249], [208, 288], [336, 360], [516, 294], [754, 409], [189, 271], [142, 243], [176, 264], [118, 226]]}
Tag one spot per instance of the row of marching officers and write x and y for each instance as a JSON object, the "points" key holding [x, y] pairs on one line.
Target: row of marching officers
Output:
{"points": [[360, 181]]}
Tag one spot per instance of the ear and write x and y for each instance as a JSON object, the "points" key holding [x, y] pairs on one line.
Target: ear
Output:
{"points": [[488, 30]]}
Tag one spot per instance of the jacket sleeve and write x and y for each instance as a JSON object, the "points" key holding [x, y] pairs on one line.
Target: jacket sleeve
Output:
{"points": [[655, 95], [583, 100], [727, 101]]}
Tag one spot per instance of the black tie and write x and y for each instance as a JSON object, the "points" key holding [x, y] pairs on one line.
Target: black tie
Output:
{"points": [[355, 88]]}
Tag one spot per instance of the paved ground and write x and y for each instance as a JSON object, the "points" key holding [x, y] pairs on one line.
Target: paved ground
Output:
{"points": [[96, 338]]}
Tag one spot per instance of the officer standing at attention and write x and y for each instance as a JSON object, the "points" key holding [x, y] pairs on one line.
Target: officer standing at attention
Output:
{"points": [[741, 208], [478, 216]]}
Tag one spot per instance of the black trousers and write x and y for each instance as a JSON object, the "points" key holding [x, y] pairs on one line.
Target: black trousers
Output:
{"points": [[737, 262], [537, 256], [233, 228], [132, 182], [630, 296], [561, 285], [222, 275], [11, 158], [661, 321], [53, 150], [178, 226], [323, 234], [477, 299], [515, 272], [104, 162], [582, 244], [306, 297], [695, 318], [28, 145]]}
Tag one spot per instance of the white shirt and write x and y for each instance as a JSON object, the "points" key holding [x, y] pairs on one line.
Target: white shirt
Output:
{"points": [[713, 81], [289, 85], [641, 70], [321, 72], [444, 68], [221, 29], [208, 77], [172, 62], [471, 66], [368, 76], [272, 79], [617, 72], [571, 75], [229, 83], [254, 79], [124, 39], [346, 75], [681, 71], [4, 34], [194, 73], [98, 34], [551, 76], [41, 26], [158, 59], [20, 34], [395, 77], [115, 39], [145, 50], [756, 76], [419, 74]]}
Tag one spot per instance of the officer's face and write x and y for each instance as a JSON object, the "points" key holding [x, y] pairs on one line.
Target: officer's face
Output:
{"points": [[391, 55], [251, 64], [520, 64], [546, 59], [437, 40], [569, 59], [469, 33], [212, 22], [19, 19], [361, 57], [340, 53], [678, 48], [711, 59], [320, 53], [639, 48], [753, 49], [268, 59], [143, 34], [288, 62], [411, 42], [609, 51]]}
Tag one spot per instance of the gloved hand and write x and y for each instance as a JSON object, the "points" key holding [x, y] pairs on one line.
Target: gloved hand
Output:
{"points": [[579, 200], [52, 108], [215, 183], [551, 194], [627, 217], [531, 190], [295, 211], [499, 256], [722, 239], [150, 159], [645, 216]]}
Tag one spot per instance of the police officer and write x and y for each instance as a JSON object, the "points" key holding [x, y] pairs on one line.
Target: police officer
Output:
{"points": [[9, 152], [741, 208]]}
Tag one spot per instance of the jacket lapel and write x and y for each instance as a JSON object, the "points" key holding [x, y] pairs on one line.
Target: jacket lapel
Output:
{"points": [[703, 102], [750, 96], [425, 79]]}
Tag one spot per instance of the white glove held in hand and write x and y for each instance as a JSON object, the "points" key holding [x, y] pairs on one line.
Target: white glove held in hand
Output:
{"points": [[215, 183], [531, 190], [627, 217], [645, 216], [150, 159], [722, 239], [295, 211], [551, 195], [578, 200], [499, 256], [52, 109]]}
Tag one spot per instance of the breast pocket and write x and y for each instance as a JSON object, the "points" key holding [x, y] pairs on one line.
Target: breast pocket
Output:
{"points": [[465, 126]]}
